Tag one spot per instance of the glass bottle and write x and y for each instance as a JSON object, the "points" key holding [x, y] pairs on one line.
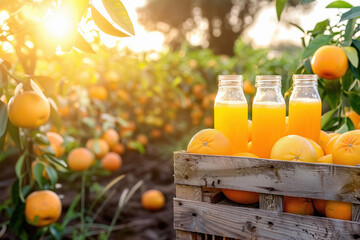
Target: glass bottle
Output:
{"points": [[268, 115], [305, 107], [231, 111]]}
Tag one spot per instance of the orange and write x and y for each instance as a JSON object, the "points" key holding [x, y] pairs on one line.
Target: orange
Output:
{"points": [[156, 133], [209, 122], [323, 139], [320, 205], [329, 62], [298, 205], [141, 138], [338, 210], [198, 90], [119, 148], [250, 146], [346, 149], [98, 92], [80, 159], [355, 118], [42, 208], [111, 79], [100, 150], [153, 200], [64, 111], [28, 110], [123, 95], [293, 148], [111, 161], [245, 154], [55, 140], [325, 159], [169, 128], [44, 173], [249, 88], [334, 134], [143, 99], [242, 197], [317, 148], [330, 144], [111, 137], [249, 130], [209, 141]]}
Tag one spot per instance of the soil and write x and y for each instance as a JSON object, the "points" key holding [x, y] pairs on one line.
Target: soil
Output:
{"points": [[134, 223]]}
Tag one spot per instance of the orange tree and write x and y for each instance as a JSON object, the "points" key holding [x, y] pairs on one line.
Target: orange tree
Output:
{"points": [[333, 53], [28, 104]]}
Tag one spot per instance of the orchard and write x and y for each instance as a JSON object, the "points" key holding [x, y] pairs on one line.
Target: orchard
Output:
{"points": [[99, 141]]}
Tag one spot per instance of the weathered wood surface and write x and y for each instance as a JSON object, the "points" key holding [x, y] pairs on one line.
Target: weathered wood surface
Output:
{"points": [[271, 202], [322, 181], [355, 213], [248, 223]]}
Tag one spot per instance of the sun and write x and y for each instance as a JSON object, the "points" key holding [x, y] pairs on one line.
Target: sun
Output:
{"points": [[58, 24]]}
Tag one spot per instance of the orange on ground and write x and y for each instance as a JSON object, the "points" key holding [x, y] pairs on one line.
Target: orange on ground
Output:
{"points": [[153, 200], [245, 154], [298, 205], [323, 139], [325, 159], [28, 110], [330, 144], [209, 141], [355, 118], [242, 197], [293, 148], [338, 210], [319, 205], [119, 148], [317, 148], [80, 159], [98, 92], [55, 140], [249, 130], [111, 161], [141, 138], [42, 208], [329, 62], [346, 149], [100, 150], [249, 88], [111, 137], [44, 173]]}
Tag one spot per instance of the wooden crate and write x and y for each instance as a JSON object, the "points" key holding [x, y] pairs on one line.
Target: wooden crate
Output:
{"points": [[200, 212]]}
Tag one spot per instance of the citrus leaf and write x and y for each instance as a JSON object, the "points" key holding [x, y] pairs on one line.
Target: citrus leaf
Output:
{"points": [[339, 4], [19, 164], [3, 118], [37, 89], [18, 89], [349, 31], [317, 42], [352, 13], [344, 128], [354, 100], [14, 134], [55, 118], [47, 83], [280, 5], [119, 15], [53, 176], [320, 27], [326, 117], [38, 170], [105, 25], [352, 55], [82, 44]]}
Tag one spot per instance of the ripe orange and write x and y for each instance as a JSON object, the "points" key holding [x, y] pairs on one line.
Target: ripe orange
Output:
{"points": [[141, 138], [198, 90], [329, 62], [293, 148], [98, 92], [317, 148], [209, 141], [209, 122], [111, 137], [111, 161], [56, 141], [346, 149], [80, 159], [249, 88], [28, 110], [169, 128], [123, 95], [153, 200], [100, 150], [324, 139], [156, 133], [42, 208], [245, 154], [330, 144], [249, 130], [338, 210], [242, 197], [320, 205], [355, 118], [325, 159], [119, 148], [250, 146], [64, 111], [298, 205], [334, 134]]}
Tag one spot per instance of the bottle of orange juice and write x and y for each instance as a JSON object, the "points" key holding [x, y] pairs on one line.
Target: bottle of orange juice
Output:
{"points": [[231, 111], [305, 107], [268, 115]]}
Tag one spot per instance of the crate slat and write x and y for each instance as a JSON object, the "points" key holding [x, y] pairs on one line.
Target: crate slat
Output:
{"points": [[247, 223], [322, 181]]}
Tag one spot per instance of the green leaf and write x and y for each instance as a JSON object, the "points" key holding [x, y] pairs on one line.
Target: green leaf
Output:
{"points": [[41, 138], [38, 170], [3, 118], [306, 1], [56, 161], [339, 4], [344, 128], [350, 124], [70, 212], [14, 134], [119, 15], [19, 164], [333, 98], [53, 176], [352, 13], [317, 42], [56, 231], [352, 55], [349, 31], [105, 25], [280, 5], [176, 81], [82, 44], [55, 118], [354, 100], [326, 117], [47, 83], [307, 65], [320, 27], [297, 26]]}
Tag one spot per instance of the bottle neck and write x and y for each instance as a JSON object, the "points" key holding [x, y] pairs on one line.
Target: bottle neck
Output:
{"points": [[268, 90], [305, 87]]}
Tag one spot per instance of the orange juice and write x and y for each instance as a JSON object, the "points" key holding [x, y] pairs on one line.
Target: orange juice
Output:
{"points": [[305, 118], [268, 126], [232, 120]]}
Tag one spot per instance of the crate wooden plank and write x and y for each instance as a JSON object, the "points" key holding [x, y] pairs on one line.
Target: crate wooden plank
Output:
{"points": [[271, 202], [321, 181], [247, 223]]}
